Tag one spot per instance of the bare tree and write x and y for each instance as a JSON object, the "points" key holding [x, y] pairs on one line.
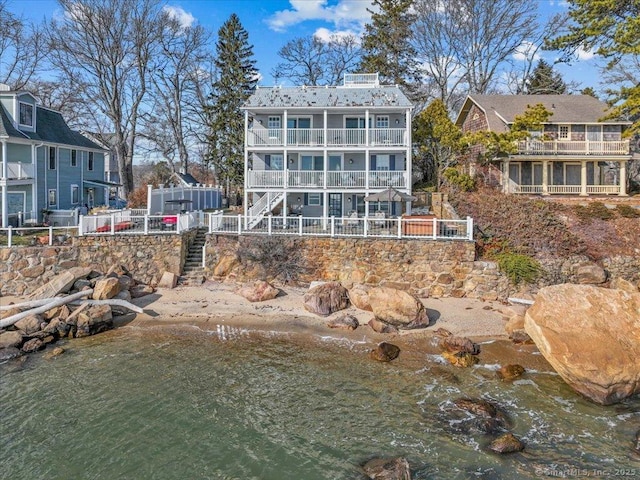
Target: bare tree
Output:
{"points": [[106, 47], [312, 61], [176, 76], [22, 48]]}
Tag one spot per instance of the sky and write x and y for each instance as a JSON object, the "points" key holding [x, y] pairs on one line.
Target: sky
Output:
{"points": [[271, 23]]}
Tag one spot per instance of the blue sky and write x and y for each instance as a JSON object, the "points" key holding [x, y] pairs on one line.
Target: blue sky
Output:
{"points": [[271, 23]]}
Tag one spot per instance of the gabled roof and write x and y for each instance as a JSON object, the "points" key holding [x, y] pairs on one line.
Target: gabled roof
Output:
{"points": [[321, 97], [186, 178], [51, 127], [502, 109]]}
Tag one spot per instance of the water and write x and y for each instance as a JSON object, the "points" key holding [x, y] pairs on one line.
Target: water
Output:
{"points": [[183, 403]]}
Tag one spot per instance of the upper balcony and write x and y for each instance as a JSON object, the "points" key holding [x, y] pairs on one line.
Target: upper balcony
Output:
{"points": [[17, 171], [568, 147], [330, 137]]}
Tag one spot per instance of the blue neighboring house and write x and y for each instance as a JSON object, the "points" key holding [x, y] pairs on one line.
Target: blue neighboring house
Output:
{"points": [[44, 164]]}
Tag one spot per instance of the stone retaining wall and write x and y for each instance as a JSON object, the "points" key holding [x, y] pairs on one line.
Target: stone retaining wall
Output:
{"points": [[436, 269]]}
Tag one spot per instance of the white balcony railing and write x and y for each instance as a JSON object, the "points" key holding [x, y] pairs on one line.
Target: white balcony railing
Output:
{"points": [[566, 147], [335, 137], [334, 179], [17, 170]]}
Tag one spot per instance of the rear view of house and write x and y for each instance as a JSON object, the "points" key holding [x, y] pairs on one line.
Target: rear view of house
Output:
{"points": [[575, 153], [44, 164]]}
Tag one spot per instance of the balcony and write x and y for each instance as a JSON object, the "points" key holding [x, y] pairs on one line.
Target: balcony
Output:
{"points": [[17, 170], [567, 147], [344, 179], [330, 137]]}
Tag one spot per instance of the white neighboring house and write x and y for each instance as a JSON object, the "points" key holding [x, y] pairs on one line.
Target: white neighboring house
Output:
{"points": [[319, 151]]}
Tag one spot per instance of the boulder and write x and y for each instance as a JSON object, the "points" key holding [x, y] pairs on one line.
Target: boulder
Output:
{"points": [[510, 372], [591, 337], [57, 327], [168, 280], [345, 322], [398, 308], [33, 345], [9, 353], [622, 284], [381, 327], [259, 291], [61, 283], [123, 295], [226, 264], [61, 312], [326, 298], [477, 415], [514, 323], [30, 324], [385, 352], [460, 359], [10, 339], [81, 283], [591, 273], [106, 288], [359, 297], [387, 469], [56, 352], [118, 270], [126, 282], [507, 443], [520, 337], [9, 313], [453, 344], [95, 319]]}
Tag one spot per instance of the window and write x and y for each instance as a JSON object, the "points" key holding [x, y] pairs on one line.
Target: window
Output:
{"points": [[273, 122], [313, 199], [312, 162], [74, 158], [26, 114], [90, 161], [75, 194], [52, 197], [563, 132], [52, 158], [274, 162], [354, 122], [382, 121], [383, 162]]}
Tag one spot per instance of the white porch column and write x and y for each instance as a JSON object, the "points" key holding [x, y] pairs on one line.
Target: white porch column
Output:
{"points": [[324, 133], [408, 162], [325, 209], [545, 177], [366, 170], [583, 179], [284, 211], [505, 177], [5, 208], [34, 187], [246, 159], [149, 197], [623, 178], [366, 127], [285, 140]]}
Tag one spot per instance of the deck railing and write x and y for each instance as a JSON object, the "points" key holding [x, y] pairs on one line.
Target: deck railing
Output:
{"points": [[567, 147], [35, 236], [316, 178], [18, 170], [335, 137]]}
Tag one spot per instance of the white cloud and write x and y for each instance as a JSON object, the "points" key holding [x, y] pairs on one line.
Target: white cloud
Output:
{"points": [[342, 13], [583, 54], [325, 35], [184, 18], [526, 51]]}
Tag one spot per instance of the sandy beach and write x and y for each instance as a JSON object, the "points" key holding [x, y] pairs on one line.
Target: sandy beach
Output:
{"points": [[218, 303]]}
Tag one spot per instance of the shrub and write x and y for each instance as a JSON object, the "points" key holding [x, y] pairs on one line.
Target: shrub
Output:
{"points": [[519, 268], [276, 259], [462, 181], [627, 211], [595, 210]]}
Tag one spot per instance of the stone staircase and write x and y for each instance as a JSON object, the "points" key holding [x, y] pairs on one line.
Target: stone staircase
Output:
{"points": [[193, 262]]}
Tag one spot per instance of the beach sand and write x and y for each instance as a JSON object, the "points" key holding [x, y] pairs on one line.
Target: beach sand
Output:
{"points": [[216, 302]]}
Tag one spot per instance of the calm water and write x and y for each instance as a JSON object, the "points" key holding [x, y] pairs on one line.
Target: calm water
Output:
{"points": [[230, 404]]}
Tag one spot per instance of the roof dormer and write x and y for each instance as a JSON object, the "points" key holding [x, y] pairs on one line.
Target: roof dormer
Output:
{"points": [[21, 108]]}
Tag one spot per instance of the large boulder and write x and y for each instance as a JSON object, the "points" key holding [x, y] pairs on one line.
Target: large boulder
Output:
{"points": [[326, 298], [359, 297], [590, 273], [61, 283], [10, 339], [106, 288], [507, 443], [95, 319], [168, 280], [591, 337], [259, 291], [226, 264], [344, 322], [385, 352], [398, 308], [30, 324]]}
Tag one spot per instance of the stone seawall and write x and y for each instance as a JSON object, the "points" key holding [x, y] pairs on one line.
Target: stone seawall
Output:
{"points": [[424, 268]]}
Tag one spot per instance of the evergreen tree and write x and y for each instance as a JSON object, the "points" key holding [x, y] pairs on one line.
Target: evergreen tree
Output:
{"points": [[544, 80], [589, 91], [236, 80], [386, 45]]}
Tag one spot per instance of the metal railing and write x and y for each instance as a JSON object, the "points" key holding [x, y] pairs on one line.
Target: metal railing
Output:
{"points": [[407, 227]]}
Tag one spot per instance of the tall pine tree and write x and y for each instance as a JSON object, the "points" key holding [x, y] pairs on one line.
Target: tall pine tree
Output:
{"points": [[236, 80], [544, 80], [386, 45]]}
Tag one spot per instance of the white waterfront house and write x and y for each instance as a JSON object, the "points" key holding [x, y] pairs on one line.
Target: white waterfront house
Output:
{"points": [[319, 151]]}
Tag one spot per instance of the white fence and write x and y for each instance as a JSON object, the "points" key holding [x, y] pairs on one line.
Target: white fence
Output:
{"points": [[34, 236], [126, 222]]}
